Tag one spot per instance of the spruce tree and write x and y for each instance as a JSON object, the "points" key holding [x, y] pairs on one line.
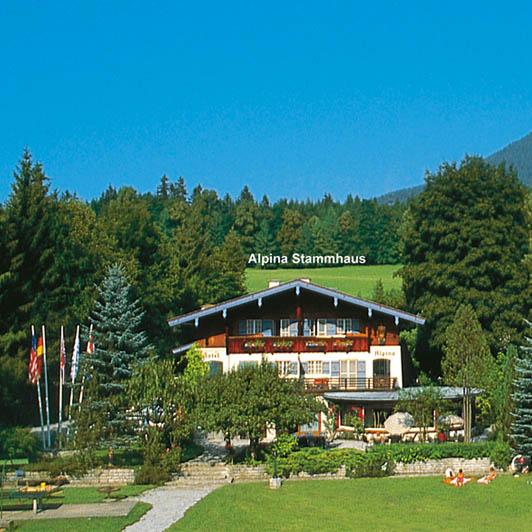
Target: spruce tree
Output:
{"points": [[119, 346], [522, 396]]}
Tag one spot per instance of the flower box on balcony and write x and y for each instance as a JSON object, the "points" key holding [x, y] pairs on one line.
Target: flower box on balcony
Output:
{"points": [[315, 344], [254, 345], [343, 344], [283, 344]]}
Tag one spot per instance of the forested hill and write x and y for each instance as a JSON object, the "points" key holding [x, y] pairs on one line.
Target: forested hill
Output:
{"points": [[518, 154]]}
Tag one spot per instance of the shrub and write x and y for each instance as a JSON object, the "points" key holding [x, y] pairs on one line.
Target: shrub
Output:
{"points": [[380, 460], [18, 442], [501, 454], [171, 460], [284, 445], [151, 474], [370, 465]]}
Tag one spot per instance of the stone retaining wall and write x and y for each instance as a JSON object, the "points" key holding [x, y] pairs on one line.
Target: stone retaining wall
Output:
{"points": [[244, 473], [476, 466], [94, 477]]}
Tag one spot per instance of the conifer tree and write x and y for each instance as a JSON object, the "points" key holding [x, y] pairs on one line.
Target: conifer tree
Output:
{"points": [[119, 346], [522, 396]]}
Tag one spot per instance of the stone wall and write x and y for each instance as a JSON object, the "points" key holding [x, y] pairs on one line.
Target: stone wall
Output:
{"points": [[476, 466], [94, 477], [244, 473]]}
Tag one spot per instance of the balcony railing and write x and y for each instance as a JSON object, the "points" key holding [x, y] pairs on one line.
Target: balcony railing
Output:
{"points": [[323, 384], [295, 344]]}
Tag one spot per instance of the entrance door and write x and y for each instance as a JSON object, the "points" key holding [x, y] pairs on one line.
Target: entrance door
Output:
{"points": [[381, 374]]}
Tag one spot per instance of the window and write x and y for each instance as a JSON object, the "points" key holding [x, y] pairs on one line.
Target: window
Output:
{"points": [[381, 367], [249, 327], [334, 327], [347, 326], [247, 363], [314, 367], [286, 367], [215, 368], [309, 327], [288, 327]]}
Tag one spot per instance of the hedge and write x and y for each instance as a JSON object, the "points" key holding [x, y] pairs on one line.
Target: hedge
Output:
{"points": [[379, 460]]}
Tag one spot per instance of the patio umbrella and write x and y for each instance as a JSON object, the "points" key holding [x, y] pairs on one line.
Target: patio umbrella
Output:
{"points": [[451, 420], [399, 423]]}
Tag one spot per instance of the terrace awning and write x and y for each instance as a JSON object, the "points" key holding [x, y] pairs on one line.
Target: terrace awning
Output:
{"points": [[392, 396]]}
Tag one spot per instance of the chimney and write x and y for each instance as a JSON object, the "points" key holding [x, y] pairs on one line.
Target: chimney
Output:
{"points": [[273, 283]]}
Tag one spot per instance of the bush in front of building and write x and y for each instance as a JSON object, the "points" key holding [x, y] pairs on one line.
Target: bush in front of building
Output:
{"points": [[499, 452], [380, 460]]}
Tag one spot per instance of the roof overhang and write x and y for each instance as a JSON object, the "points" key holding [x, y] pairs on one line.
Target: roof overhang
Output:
{"points": [[296, 285], [392, 396]]}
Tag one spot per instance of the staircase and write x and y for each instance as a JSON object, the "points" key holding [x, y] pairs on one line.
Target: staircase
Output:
{"points": [[197, 473]]}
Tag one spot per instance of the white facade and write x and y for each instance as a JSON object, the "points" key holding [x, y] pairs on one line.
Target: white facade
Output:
{"points": [[353, 364]]}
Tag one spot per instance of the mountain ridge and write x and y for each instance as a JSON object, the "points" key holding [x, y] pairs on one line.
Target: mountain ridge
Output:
{"points": [[517, 154]]}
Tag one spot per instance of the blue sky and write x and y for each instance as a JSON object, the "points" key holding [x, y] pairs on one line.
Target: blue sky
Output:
{"points": [[292, 98]]}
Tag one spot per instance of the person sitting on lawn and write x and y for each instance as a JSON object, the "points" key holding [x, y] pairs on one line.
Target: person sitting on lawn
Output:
{"points": [[449, 476], [486, 479], [460, 479]]}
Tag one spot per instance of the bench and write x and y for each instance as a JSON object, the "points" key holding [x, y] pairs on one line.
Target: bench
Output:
{"points": [[36, 495]]}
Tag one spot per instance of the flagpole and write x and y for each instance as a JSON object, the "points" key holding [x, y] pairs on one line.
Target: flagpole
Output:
{"points": [[61, 371], [40, 413], [83, 377], [73, 379], [39, 398], [46, 387]]}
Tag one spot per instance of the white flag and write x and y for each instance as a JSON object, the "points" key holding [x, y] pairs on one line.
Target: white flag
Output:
{"points": [[75, 357]]}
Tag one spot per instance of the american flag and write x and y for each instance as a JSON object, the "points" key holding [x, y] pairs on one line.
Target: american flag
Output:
{"points": [[33, 368]]}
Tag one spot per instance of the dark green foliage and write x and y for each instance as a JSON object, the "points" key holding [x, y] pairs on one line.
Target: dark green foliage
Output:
{"points": [[120, 345], [379, 460], [522, 397], [465, 239], [18, 442], [249, 400]]}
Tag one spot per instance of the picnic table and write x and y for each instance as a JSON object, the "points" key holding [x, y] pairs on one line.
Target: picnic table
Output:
{"points": [[34, 493]]}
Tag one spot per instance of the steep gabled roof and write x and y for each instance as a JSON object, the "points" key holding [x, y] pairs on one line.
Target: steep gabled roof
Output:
{"points": [[296, 285]]}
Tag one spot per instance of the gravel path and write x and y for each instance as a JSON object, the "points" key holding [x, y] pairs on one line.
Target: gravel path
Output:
{"points": [[169, 505]]}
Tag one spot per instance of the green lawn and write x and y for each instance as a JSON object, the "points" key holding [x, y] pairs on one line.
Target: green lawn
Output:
{"points": [[75, 495], [95, 524], [383, 504], [355, 280]]}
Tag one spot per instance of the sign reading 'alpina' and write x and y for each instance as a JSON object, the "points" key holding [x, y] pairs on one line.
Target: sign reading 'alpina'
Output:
{"points": [[301, 258]]}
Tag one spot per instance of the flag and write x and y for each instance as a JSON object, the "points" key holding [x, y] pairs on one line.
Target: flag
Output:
{"points": [[75, 358], [40, 354], [90, 343], [62, 357], [33, 367]]}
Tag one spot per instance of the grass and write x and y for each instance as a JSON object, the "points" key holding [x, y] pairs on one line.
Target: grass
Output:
{"points": [[421, 504], [13, 461], [94, 524], [354, 280], [75, 495]]}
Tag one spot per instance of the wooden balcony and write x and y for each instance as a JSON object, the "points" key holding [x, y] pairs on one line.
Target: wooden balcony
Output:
{"points": [[325, 384], [296, 344]]}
